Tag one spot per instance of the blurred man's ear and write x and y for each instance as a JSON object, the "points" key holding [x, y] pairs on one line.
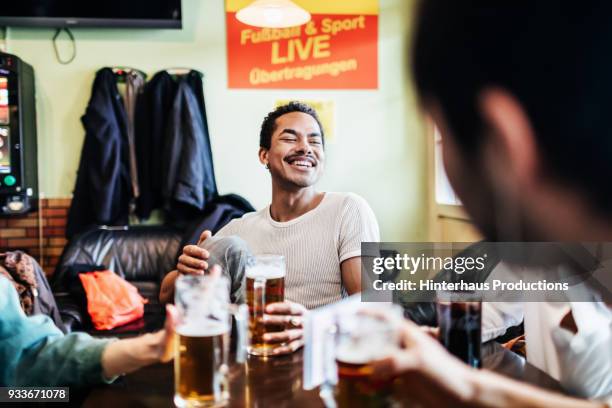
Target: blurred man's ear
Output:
{"points": [[510, 147], [263, 156]]}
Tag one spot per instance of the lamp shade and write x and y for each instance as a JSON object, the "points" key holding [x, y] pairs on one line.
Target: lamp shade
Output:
{"points": [[273, 14]]}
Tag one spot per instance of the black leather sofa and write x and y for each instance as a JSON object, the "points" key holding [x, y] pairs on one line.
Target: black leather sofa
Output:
{"points": [[142, 255]]}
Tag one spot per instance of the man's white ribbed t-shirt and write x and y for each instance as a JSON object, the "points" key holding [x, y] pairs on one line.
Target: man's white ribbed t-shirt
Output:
{"points": [[314, 244]]}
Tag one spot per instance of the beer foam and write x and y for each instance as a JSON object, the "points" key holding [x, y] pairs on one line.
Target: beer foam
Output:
{"points": [[362, 352], [265, 272], [202, 329]]}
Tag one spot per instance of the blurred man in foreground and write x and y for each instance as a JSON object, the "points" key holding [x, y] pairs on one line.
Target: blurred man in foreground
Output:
{"points": [[520, 91]]}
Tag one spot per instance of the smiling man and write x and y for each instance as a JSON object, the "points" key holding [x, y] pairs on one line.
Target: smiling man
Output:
{"points": [[318, 233]]}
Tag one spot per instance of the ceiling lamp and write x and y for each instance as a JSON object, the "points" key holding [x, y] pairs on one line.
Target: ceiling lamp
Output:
{"points": [[273, 14]]}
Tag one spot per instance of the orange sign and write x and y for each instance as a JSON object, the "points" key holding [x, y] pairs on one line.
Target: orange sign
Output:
{"points": [[337, 49]]}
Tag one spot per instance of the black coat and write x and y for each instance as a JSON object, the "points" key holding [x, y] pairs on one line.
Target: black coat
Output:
{"points": [[175, 160], [102, 191], [194, 80], [188, 175], [152, 116]]}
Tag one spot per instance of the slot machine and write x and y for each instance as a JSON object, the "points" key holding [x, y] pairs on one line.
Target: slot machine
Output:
{"points": [[18, 151]]}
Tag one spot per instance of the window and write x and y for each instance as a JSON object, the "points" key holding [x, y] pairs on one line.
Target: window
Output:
{"points": [[444, 192]]}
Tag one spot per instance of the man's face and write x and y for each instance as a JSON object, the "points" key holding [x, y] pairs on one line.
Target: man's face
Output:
{"points": [[296, 157]]}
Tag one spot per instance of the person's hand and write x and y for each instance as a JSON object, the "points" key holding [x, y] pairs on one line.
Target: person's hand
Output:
{"points": [[193, 260], [432, 376], [164, 340], [165, 345], [290, 315], [128, 355], [204, 236]]}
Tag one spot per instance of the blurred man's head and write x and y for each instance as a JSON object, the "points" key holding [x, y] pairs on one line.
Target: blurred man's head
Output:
{"points": [[522, 93], [291, 146]]}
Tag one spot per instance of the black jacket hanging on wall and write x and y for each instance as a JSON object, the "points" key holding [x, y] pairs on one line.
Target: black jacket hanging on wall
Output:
{"points": [[152, 115], [194, 79], [102, 190], [186, 164], [175, 159]]}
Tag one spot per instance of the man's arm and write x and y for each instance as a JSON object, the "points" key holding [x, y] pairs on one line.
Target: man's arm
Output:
{"points": [[35, 353], [358, 224], [351, 275], [434, 378], [494, 390], [124, 356]]}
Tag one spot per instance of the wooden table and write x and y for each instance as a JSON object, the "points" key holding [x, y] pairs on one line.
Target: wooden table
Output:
{"points": [[275, 382]]}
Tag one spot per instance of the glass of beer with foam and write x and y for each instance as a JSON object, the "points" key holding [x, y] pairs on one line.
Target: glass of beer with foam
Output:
{"points": [[357, 339], [202, 340], [265, 282]]}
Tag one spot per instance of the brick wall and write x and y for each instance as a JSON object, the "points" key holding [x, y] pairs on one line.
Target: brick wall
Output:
{"points": [[40, 234]]}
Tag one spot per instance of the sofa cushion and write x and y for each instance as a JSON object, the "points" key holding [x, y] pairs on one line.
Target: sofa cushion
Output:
{"points": [[144, 253]]}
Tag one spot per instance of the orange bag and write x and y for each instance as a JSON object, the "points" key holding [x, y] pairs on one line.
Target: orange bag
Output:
{"points": [[111, 300]]}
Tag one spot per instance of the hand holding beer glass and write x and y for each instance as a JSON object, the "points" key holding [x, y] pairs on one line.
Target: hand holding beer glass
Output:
{"points": [[357, 340], [202, 341], [265, 282]]}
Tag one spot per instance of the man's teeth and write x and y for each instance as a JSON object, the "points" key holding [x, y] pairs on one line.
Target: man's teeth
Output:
{"points": [[302, 163]]}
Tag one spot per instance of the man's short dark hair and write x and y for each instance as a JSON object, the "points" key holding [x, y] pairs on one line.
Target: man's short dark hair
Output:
{"points": [[554, 56], [269, 124]]}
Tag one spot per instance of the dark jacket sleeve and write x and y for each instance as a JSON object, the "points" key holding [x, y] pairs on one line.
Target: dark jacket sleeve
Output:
{"points": [[103, 171], [153, 113], [102, 189], [196, 84], [188, 169], [190, 182]]}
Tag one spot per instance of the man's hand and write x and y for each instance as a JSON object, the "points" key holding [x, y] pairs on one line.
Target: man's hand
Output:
{"points": [[432, 375], [194, 259], [165, 344], [290, 315], [127, 355]]}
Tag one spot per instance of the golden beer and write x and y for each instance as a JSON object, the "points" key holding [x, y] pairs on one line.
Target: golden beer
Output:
{"points": [[265, 284], [200, 366], [359, 340], [202, 340], [356, 388]]}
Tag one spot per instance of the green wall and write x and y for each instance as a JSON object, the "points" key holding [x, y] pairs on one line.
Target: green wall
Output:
{"points": [[378, 151]]}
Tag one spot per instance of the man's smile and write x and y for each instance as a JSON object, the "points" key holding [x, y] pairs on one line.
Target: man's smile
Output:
{"points": [[301, 162]]}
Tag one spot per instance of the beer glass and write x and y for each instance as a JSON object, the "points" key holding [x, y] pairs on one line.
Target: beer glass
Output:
{"points": [[265, 282], [460, 321], [356, 340], [202, 340]]}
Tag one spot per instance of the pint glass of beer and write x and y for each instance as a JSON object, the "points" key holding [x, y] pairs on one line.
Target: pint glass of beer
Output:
{"points": [[357, 340], [460, 320], [202, 340], [265, 282]]}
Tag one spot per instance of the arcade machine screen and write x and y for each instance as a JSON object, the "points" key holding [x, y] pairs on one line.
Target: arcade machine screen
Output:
{"points": [[5, 157]]}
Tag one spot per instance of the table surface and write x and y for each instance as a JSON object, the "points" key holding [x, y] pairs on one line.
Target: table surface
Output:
{"points": [[275, 382]]}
